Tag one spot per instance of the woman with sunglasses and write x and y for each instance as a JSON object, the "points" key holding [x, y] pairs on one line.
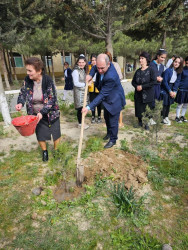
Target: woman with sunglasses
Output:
{"points": [[182, 95]]}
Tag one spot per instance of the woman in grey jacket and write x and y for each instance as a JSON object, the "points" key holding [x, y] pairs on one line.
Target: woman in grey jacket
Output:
{"points": [[79, 81]]}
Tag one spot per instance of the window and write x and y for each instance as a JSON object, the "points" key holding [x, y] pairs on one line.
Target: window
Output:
{"points": [[49, 60], [17, 60], [67, 58]]}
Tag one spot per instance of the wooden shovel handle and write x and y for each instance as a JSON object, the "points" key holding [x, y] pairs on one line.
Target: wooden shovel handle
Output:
{"points": [[82, 125]]}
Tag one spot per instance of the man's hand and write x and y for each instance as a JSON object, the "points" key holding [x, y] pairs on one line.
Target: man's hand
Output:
{"points": [[139, 88], [39, 116], [18, 106], [88, 78], [85, 110]]}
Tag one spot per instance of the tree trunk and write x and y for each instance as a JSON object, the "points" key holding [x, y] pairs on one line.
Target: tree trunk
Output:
{"points": [[53, 75], [4, 68], [63, 52], [164, 40], [135, 65], [13, 66], [4, 105], [109, 46], [44, 62], [48, 66], [124, 66], [8, 68]]}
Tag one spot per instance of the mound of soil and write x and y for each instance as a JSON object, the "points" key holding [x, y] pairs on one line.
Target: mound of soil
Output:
{"points": [[120, 166]]}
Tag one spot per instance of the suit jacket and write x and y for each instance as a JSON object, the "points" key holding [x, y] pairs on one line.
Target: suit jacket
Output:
{"points": [[111, 92]]}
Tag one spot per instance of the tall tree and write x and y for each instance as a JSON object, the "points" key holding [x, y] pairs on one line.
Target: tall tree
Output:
{"points": [[158, 19], [18, 19]]}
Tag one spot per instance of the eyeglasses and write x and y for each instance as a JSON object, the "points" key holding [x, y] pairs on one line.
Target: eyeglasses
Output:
{"points": [[186, 63]]}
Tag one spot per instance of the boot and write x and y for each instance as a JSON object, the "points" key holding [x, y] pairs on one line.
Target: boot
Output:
{"points": [[45, 155]]}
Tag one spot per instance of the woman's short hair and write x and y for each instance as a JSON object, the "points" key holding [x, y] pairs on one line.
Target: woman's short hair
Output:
{"points": [[147, 56], [35, 62], [180, 68], [186, 59]]}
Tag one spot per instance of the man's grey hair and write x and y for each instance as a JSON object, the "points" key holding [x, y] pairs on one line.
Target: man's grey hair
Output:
{"points": [[107, 60]]}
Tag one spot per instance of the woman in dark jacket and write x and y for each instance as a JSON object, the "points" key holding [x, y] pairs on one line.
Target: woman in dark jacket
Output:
{"points": [[159, 68], [68, 80], [143, 82], [182, 95], [169, 86], [39, 94]]}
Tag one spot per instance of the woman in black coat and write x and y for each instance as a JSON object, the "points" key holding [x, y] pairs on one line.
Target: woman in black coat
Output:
{"points": [[143, 82]]}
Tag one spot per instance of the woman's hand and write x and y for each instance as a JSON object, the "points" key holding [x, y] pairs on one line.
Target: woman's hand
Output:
{"points": [[159, 78], [39, 116], [18, 106], [139, 88], [172, 94]]}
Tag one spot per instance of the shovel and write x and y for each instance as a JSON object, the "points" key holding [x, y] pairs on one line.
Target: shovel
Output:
{"points": [[79, 166]]}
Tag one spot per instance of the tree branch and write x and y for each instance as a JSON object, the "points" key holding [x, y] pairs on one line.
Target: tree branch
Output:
{"points": [[86, 31]]}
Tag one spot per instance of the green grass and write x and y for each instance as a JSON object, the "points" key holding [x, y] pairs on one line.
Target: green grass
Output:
{"points": [[130, 96], [91, 220]]}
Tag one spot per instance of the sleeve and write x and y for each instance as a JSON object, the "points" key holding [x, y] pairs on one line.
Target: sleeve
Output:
{"points": [[93, 71], [22, 94], [134, 83], [166, 80], [177, 83], [118, 69], [104, 92], [151, 80], [51, 99], [75, 77]]}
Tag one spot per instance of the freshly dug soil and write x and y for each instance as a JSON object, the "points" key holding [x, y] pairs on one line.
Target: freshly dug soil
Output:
{"points": [[119, 165]]}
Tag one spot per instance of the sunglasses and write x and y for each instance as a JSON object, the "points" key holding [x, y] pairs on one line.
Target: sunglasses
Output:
{"points": [[186, 63]]}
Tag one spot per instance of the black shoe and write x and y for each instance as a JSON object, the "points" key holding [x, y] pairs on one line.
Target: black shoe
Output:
{"points": [[178, 120], [183, 119], [109, 144], [138, 125], [45, 155], [146, 127], [99, 120], [106, 137], [93, 119]]}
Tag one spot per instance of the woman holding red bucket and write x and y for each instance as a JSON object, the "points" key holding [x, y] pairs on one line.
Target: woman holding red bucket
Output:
{"points": [[39, 94]]}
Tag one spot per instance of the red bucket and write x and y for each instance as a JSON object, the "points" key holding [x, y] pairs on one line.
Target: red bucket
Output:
{"points": [[25, 125]]}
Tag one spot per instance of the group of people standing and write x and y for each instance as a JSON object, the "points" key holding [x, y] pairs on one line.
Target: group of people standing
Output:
{"points": [[155, 81], [152, 81]]}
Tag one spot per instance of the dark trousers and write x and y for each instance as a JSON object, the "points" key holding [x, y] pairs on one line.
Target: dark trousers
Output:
{"points": [[79, 115], [111, 124], [165, 111]]}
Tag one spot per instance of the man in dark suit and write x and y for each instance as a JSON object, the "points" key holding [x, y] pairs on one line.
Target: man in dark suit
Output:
{"points": [[111, 94]]}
